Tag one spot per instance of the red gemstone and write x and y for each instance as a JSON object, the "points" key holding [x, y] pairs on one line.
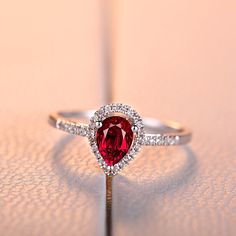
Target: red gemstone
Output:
{"points": [[114, 139]]}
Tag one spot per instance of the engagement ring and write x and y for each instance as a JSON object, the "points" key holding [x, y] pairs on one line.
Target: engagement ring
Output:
{"points": [[116, 133]]}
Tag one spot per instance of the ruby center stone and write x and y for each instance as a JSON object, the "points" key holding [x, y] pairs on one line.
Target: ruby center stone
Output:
{"points": [[114, 139]]}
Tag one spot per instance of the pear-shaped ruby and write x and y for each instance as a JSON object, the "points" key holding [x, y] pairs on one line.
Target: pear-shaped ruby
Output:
{"points": [[114, 139]]}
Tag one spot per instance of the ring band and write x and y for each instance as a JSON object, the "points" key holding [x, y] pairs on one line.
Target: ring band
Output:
{"points": [[116, 133]]}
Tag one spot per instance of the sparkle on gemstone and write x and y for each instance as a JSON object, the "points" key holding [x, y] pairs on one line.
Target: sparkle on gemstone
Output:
{"points": [[114, 139]]}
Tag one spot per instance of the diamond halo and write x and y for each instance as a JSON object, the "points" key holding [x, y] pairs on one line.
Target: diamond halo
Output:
{"points": [[133, 117]]}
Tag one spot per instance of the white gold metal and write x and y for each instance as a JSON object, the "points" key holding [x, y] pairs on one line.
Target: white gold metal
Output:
{"points": [[134, 128], [148, 132], [99, 124]]}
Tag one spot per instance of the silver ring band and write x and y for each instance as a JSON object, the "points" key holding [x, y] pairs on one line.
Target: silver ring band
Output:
{"points": [[156, 133]]}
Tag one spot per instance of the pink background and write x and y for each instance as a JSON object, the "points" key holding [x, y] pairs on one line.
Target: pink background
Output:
{"points": [[170, 60]]}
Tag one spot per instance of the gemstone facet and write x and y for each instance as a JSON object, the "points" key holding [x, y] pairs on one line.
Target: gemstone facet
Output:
{"points": [[114, 139]]}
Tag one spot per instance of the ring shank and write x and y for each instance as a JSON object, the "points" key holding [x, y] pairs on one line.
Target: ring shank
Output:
{"points": [[156, 133]]}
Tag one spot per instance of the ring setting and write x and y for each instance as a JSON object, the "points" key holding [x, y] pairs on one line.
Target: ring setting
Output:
{"points": [[116, 133], [119, 138]]}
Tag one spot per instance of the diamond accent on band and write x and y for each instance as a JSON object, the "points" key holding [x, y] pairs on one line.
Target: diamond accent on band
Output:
{"points": [[160, 140], [72, 127], [133, 117]]}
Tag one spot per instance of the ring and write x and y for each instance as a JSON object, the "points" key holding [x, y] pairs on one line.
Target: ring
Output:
{"points": [[116, 133]]}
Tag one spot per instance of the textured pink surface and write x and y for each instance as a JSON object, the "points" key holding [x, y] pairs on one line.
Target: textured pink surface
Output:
{"points": [[172, 60]]}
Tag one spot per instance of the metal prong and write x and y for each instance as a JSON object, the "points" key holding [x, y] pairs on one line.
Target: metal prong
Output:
{"points": [[134, 128], [98, 124]]}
